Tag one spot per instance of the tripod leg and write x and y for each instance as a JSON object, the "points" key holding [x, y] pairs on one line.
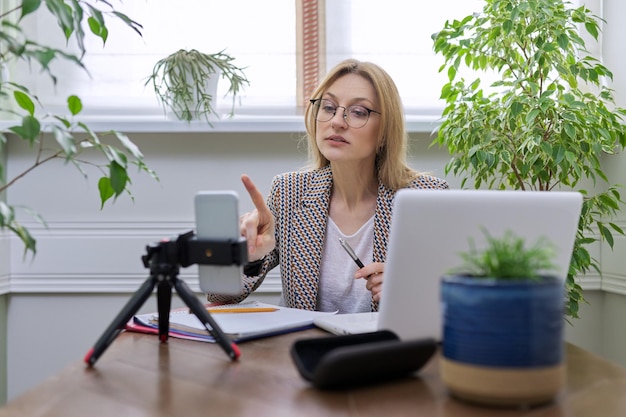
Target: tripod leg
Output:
{"points": [[164, 304], [203, 315], [119, 323]]}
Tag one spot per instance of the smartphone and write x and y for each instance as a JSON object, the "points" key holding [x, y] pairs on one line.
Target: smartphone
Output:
{"points": [[217, 217]]}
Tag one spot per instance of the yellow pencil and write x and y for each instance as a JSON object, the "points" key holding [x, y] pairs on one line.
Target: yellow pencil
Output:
{"points": [[242, 310]]}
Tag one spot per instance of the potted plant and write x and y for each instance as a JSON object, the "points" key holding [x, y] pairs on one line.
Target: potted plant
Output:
{"points": [[544, 123], [27, 119], [185, 82], [503, 324]]}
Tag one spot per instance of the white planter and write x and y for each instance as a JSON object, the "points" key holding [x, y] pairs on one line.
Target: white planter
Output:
{"points": [[197, 109]]}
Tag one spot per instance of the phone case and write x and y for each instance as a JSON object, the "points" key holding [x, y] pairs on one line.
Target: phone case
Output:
{"points": [[340, 362]]}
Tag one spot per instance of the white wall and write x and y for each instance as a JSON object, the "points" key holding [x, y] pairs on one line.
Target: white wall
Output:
{"points": [[88, 262]]}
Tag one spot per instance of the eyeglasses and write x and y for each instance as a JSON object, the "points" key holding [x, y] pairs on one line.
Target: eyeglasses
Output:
{"points": [[355, 116]]}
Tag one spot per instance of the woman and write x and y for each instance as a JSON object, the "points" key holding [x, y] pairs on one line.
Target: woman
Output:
{"points": [[357, 150]]}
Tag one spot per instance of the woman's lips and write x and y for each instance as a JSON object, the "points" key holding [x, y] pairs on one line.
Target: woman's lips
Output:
{"points": [[336, 139]]}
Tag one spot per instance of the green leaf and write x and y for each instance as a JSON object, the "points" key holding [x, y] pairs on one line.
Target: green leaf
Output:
{"points": [[129, 22], [63, 13], [129, 145], [606, 234], [569, 130], [118, 176], [7, 220], [29, 130], [24, 234], [66, 123], [29, 6], [592, 29], [116, 155], [6, 214], [558, 153], [65, 140], [106, 191], [532, 115], [516, 108], [96, 15], [451, 73], [98, 29], [44, 57], [24, 101], [507, 26], [548, 47], [74, 105]]}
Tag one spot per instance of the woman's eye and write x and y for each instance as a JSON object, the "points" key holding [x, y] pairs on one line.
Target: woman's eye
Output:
{"points": [[358, 111]]}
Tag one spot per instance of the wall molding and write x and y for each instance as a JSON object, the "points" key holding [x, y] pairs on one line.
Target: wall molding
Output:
{"points": [[614, 284], [105, 257], [590, 282], [5, 263], [5, 285], [96, 257], [101, 284]]}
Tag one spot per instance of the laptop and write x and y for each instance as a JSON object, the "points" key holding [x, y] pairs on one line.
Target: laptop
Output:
{"points": [[429, 229]]}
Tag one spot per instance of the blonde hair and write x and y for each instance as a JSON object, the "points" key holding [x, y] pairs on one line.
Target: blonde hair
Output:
{"points": [[391, 166]]}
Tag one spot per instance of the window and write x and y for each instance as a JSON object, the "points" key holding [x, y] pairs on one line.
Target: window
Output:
{"points": [[262, 36], [397, 35], [117, 72]]}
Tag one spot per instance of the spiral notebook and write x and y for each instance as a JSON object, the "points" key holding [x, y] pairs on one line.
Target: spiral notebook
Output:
{"points": [[238, 326], [430, 228]]}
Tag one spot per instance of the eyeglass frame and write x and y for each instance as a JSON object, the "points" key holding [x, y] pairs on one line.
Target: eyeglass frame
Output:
{"points": [[314, 101]]}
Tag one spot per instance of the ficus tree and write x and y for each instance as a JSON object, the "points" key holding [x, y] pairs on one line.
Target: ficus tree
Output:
{"points": [[544, 121], [27, 119]]}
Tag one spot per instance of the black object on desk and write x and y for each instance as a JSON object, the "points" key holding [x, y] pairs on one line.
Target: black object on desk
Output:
{"points": [[347, 361]]}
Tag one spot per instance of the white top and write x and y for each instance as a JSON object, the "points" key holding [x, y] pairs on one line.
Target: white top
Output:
{"points": [[338, 289]]}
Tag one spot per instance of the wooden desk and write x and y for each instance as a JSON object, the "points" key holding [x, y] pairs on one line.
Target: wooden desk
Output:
{"points": [[138, 376]]}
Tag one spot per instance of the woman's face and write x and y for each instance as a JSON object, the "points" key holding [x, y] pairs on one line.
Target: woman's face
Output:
{"points": [[337, 138]]}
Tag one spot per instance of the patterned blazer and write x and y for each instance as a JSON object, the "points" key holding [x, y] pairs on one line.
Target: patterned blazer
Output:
{"points": [[299, 202]]}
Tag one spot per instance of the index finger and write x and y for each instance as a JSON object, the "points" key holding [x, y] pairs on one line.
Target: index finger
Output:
{"points": [[255, 195]]}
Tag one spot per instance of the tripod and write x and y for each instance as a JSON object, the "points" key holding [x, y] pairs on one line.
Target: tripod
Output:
{"points": [[164, 260]]}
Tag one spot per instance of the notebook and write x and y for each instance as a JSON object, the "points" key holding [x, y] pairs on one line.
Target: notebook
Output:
{"points": [[429, 229], [240, 322]]}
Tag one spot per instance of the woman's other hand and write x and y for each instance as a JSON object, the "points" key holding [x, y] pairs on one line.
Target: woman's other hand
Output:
{"points": [[373, 274]]}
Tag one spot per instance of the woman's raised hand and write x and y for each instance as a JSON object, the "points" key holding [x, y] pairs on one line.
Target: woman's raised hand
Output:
{"points": [[258, 225]]}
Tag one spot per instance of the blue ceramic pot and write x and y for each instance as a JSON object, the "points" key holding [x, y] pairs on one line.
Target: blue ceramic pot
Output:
{"points": [[503, 323]]}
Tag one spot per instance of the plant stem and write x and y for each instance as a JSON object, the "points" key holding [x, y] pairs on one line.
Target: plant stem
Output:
{"points": [[8, 12], [38, 162]]}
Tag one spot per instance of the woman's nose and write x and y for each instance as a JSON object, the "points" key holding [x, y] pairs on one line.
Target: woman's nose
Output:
{"points": [[341, 113]]}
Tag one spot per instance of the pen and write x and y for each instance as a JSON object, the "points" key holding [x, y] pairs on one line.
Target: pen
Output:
{"points": [[350, 251], [242, 310]]}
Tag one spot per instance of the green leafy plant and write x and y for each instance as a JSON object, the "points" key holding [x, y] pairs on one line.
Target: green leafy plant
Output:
{"points": [[546, 120], [180, 79], [508, 257], [28, 120]]}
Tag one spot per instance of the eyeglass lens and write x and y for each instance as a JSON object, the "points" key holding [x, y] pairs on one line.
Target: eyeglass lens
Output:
{"points": [[355, 116]]}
